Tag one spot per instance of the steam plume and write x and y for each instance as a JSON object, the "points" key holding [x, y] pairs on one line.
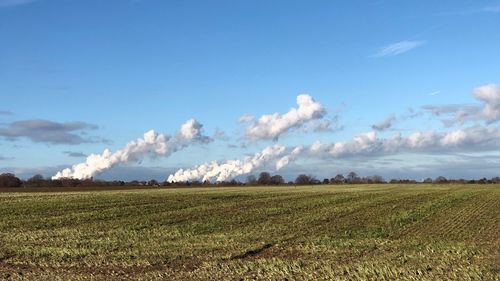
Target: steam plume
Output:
{"points": [[274, 125], [215, 171], [152, 143]]}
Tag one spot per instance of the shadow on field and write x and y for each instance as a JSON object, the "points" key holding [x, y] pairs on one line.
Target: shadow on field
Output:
{"points": [[251, 253]]}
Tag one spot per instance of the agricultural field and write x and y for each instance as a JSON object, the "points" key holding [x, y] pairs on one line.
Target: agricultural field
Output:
{"points": [[349, 232]]}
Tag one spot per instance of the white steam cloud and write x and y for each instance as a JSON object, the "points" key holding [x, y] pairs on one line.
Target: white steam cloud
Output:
{"points": [[272, 126], [223, 171], [152, 143], [308, 115]]}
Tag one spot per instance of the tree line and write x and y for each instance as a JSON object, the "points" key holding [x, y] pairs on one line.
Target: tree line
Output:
{"points": [[8, 180]]}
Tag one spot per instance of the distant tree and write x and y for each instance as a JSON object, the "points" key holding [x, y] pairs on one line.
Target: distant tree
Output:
{"points": [[482, 181], [428, 180], [37, 181], [90, 182], [440, 179], [264, 178], [189, 183], [10, 180], [377, 179], [352, 177], [251, 180], [304, 179], [338, 179], [69, 182], [154, 183], [277, 180], [56, 183], [36, 177], [326, 181]]}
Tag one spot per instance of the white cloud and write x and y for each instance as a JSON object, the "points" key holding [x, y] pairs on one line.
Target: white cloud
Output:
{"points": [[220, 135], [191, 131], [384, 124], [490, 96], [272, 126], [246, 118], [398, 48], [475, 138]]}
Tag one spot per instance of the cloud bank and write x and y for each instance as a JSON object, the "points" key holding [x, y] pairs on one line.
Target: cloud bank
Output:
{"points": [[474, 138]]}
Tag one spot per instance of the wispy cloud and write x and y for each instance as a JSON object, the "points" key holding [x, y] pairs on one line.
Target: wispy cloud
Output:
{"points": [[4, 112], [75, 154], [10, 3], [488, 110], [384, 124], [246, 118], [398, 48], [39, 130], [434, 93]]}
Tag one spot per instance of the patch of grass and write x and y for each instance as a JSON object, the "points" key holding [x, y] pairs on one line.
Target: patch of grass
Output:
{"points": [[365, 232]]}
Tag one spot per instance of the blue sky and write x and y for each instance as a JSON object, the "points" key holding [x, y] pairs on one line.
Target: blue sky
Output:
{"points": [[121, 68]]}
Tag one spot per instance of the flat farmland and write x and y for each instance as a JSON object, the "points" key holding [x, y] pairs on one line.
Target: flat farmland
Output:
{"points": [[346, 232]]}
